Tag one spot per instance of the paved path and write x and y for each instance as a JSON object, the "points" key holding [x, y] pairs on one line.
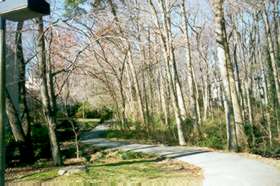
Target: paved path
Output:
{"points": [[220, 169]]}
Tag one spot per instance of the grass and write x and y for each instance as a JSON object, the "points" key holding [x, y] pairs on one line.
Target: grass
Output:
{"points": [[214, 134], [119, 168], [107, 167]]}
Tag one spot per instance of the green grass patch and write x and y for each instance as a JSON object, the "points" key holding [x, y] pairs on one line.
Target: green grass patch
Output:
{"points": [[115, 167]]}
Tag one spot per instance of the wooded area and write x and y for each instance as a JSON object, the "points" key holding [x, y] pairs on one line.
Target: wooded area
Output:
{"points": [[183, 72]]}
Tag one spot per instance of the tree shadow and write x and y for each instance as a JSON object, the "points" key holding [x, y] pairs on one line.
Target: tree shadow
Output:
{"points": [[158, 159], [127, 162]]}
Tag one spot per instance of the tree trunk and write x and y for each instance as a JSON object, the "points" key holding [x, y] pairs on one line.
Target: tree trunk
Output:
{"points": [[123, 98], [179, 110], [169, 65], [24, 110], [272, 55], [276, 20], [25, 145], [228, 123], [226, 68], [14, 119], [193, 91], [49, 112], [163, 99], [129, 93], [131, 66], [137, 87]]}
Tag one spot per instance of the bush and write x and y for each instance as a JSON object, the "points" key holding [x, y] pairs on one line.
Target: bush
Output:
{"points": [[41, 142], [11, 148], [273, 152], [93, 114], [214, 135], [85, 110], [258, 136], [131, 155], [72, 109], [120, 155], [65, 130], [106, 114], [61, 114]]}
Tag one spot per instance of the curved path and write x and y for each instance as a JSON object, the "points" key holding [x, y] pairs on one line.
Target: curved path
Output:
{"points": [[220, 169]]}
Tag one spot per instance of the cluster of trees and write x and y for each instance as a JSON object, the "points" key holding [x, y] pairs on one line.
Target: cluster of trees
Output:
{"points": [[174, 61], [158, 63], [20, 119]]}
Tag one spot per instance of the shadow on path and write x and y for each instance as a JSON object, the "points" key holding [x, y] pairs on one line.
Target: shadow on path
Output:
{"points": [[220, 169], [96, 138]]}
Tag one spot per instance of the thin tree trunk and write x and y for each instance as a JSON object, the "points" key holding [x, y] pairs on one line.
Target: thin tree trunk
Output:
{"points": [[193, 91], [131, 66], [180, 113], [276, 20], [228, 123], [272, 55], [25, 145], [264, 85], [49, 114], [227, 69], [25, 118], [206, 80], [166, 43], [14, 120], [129, 93], [162, 99], [137, 87], [123, 98]]}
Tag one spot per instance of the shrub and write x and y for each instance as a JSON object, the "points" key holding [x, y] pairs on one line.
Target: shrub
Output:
{"points": [[131, 155], [93, 114], [214, 135], [40, 139], [106, 114], [72, 109], [65, 130], [86, 110], [11, 147], [273, 152], [60, 114]]}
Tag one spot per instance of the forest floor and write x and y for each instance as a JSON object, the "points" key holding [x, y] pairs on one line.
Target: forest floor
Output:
{"points": [[219, 168]]}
